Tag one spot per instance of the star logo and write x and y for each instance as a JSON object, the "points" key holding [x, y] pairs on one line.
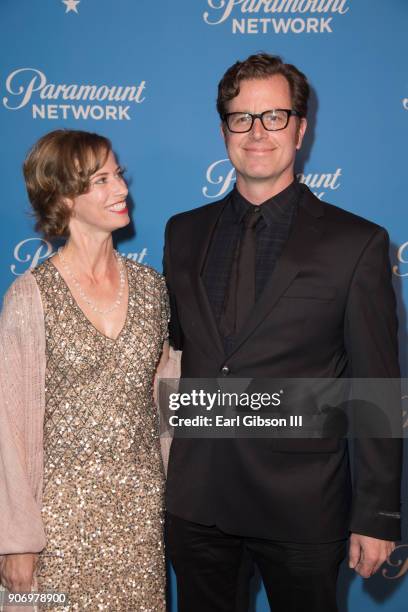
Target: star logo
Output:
{"points": [[71, 5]]}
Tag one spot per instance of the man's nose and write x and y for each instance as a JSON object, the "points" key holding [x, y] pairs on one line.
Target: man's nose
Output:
{"points": [[258, 130]]}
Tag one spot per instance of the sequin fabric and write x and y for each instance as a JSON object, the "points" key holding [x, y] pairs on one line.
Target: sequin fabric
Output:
{"points": [[103, 475]]}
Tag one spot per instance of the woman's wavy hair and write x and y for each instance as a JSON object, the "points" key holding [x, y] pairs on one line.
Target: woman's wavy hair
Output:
{"points": [[59, 167]]}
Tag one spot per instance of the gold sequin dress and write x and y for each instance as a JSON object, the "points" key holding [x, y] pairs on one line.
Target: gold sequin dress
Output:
{"points": [[103, 475]]}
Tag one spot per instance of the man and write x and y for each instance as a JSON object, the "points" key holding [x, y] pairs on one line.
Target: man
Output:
{"points": [[271, 282]]}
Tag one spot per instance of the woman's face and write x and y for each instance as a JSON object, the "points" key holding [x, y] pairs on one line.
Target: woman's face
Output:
{"points": [[103, 208]]}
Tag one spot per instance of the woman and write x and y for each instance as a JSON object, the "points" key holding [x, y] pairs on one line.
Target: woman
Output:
{"points": [[82, 336]]}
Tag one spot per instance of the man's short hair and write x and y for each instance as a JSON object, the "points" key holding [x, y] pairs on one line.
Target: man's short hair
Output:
{"points": [[262, 66]]}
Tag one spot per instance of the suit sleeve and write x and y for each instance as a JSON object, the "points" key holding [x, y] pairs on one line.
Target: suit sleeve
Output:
{"points": [[175, 330], [372, 346]]}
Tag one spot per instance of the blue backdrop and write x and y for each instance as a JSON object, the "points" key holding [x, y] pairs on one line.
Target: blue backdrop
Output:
{"points": [[144, 73]]}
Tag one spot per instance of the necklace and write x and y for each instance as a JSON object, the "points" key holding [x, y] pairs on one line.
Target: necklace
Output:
{"points": [[82, 293]]}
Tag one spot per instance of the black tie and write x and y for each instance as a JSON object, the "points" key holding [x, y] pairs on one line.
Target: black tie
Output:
{"points": [[240, 298]]}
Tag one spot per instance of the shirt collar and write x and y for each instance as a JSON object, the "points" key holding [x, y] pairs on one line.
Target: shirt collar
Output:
{"points": [[277, 209]]}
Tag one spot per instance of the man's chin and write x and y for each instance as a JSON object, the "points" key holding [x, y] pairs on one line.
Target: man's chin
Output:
{"points": [[259, 176]]}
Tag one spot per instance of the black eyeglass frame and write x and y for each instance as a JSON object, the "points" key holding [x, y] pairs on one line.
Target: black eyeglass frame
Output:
{"points": [[289, 113]]}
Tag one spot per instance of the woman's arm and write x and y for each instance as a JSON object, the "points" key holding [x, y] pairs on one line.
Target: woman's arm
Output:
{"points": [[22, 371], [168, 368], [17, 571]]}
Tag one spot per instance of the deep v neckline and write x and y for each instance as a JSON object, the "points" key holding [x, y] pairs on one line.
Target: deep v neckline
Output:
{"points": [[77, 307]]}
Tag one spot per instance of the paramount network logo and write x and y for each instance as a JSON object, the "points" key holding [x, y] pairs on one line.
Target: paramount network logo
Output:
{"points": [[30, 252], [220, 176], [402, 256], [396, 561], [252, 16], [30, 87]]}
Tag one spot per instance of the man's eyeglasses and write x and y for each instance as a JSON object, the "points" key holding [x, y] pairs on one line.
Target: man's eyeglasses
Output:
{"points": [[272, 120]]}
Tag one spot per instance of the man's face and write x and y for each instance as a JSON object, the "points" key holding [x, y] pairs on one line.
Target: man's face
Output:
{"points": [[262, 156]]}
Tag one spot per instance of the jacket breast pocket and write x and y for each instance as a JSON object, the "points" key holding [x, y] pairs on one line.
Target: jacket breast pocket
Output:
{"points": [[308, 291]]}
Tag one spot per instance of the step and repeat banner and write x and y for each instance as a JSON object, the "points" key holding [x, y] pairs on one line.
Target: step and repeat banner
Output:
{"points": [[145, 74]]}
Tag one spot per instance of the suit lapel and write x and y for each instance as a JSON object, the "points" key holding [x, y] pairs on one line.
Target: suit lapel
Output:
{"points": [[203, 239], [302, 240]]}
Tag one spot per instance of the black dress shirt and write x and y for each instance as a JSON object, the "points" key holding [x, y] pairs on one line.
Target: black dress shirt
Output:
{"points": [[272, 231]]}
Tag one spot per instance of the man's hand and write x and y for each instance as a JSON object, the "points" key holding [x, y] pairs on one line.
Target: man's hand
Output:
{"points": [[366, 554], [16, 571]]}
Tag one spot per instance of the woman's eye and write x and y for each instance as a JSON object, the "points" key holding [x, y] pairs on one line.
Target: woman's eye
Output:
{"points": [[102, 180]]}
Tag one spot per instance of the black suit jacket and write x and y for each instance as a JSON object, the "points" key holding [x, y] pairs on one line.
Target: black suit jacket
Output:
{"points": [[327, 311]]}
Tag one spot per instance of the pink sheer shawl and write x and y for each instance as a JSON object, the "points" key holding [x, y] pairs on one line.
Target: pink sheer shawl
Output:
{"points": [[22, 375]]}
